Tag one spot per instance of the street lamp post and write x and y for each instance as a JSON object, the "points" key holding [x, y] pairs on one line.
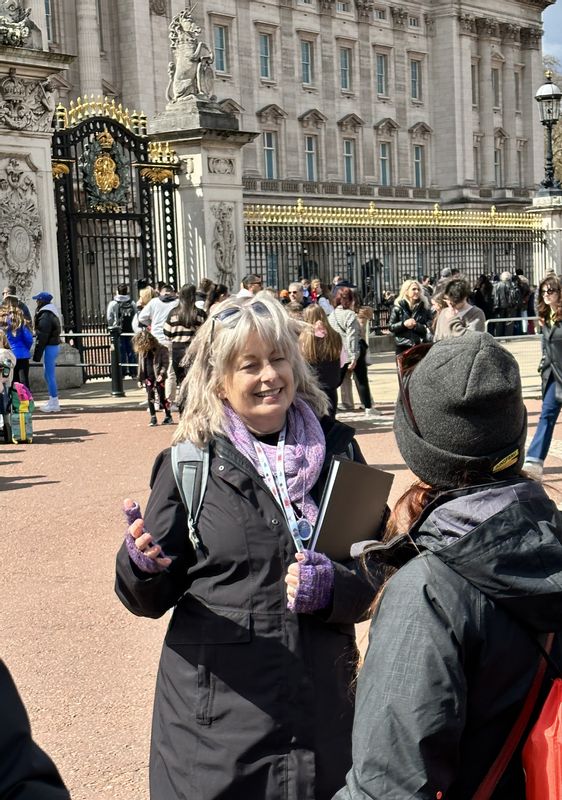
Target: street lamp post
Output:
{"points": [[548, 98]]}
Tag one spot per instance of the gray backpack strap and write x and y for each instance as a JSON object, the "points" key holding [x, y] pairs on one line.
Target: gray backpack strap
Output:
{"points": [[191, 466]]}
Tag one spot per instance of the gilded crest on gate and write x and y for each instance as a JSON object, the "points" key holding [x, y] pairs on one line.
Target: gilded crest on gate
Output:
{"points": [[105, 172]]}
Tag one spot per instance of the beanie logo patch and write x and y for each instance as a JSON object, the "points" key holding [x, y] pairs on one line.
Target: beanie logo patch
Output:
{"points": [[507, 462]]}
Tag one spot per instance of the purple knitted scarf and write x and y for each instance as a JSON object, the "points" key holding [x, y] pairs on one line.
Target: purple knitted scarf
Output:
{"points": [[305, 450]]}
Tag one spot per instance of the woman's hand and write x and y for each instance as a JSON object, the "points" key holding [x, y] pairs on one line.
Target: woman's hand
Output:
{"points": [[352, 364], [145, 554], [310, 582], [410, 323]]}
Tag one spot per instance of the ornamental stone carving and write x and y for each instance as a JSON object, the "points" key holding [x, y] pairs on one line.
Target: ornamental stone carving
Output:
{"points": [[365, 7], [220, 166], [487, 27], [15, 27], [509, 33], [20, 224], [327, 5], [467, 23], [158, 7], [224, 243], [399, 16], [26, 105], [191, 74], [429, 24], [531, 38]]}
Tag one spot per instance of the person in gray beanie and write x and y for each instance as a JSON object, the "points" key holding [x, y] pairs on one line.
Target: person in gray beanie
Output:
{"points": [[473, 559]]}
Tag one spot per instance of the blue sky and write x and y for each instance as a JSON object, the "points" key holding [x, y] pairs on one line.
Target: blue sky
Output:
{"points": [[552, 41]]}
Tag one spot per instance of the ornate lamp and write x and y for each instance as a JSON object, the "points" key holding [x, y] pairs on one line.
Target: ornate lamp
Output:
{"points": [[548, 98]]}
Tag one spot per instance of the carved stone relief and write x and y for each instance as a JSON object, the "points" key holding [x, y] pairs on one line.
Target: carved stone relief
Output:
{"points": [[467, 23], [15, 26], [159, 7], [531, 38], [26, 105], [224, 243], [429, 24], [509, 32], [220, 166], [487, 27], [399, 16], [20, 224], [365, 7]]}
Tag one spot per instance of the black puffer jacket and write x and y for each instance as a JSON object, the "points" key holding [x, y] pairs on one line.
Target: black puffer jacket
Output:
{"points": [[408, 337], [451, 654], [252, 701], [47, 330]]}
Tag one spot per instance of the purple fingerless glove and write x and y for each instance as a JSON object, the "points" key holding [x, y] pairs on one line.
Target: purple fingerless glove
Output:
{"points": [[132, 512], [316, 584]]}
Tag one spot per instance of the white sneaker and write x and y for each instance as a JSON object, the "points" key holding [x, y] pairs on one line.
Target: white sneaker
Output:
{"points": [[51, 406], [373, 413], [534, 469]]}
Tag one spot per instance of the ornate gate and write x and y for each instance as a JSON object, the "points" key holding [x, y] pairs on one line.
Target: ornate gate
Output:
{"points": [[116, 220]]}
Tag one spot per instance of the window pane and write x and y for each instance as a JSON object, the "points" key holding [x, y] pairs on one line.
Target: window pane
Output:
{"points": [[419, 177], [221, 64], [265, 55], [270, 154], [385, 172], [310, 157], [345, 68], [382, 71], [307, 73], [496, 87], [474, 87], [415, 80], [349, 160], [49, 20]]}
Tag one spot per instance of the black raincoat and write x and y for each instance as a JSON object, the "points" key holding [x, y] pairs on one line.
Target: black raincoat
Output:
{"points": [[452, 654], [252, 701]]}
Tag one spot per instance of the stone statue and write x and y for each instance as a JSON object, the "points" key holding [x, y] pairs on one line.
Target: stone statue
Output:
{"points": [[191, 74], [15, 27]]}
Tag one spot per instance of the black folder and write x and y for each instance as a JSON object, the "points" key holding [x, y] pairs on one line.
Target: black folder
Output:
{"points": [[352, 507]]}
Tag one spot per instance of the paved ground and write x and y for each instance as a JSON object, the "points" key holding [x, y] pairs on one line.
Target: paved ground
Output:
{"points": [[84, 665]]}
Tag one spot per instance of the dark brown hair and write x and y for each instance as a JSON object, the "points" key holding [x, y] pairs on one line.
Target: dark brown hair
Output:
{"points": [[344, 297], [543, 310]]}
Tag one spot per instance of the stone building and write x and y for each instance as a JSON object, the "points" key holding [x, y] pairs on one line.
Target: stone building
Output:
{"points": [[403, 104]]}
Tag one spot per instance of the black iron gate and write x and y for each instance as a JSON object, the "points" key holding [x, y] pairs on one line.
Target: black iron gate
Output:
{"points": [[116, 216]]}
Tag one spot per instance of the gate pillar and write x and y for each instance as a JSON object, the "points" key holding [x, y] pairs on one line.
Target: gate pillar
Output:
{"points": [[28, 245], [211, 228], [550, 256]]}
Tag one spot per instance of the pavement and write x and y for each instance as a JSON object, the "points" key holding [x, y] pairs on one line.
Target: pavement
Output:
{"points": [[85, 666]]}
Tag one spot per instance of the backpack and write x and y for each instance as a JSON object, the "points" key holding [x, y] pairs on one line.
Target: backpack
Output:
{"points": [[513, 294], [191, 467], [125, 314]]}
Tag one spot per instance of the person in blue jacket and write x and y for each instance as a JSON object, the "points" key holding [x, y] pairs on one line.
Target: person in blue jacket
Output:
{"points": [[20, 337]]}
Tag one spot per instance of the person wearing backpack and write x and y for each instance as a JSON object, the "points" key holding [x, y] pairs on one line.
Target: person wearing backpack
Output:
{"points": [[507, 301], [121, 312], [473, 551], [254, 696]]}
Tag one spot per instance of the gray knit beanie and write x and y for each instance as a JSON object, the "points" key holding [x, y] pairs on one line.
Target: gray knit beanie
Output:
{"points": [[466, 402]]}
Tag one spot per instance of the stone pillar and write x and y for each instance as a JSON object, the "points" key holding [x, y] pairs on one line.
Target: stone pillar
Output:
{"points": [[28, 244], [209, 147], [510, 37], [533, 77], [550, 209], [89, 48], [487, 28], [135, 55], [329, 163], [401, 158]]}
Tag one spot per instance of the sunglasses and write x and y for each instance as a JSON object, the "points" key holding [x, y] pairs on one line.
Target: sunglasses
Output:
{"points": [[406, 363], [230, 317], [550, 290]]}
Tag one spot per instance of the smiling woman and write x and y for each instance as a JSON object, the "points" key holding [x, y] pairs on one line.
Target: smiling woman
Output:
{"points": [[254, 694]]}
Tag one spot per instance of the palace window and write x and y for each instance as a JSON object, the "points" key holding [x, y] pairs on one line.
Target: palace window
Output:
{"points": [[266, 48], [49, 20], [517, 80], [496, 87], [270, 155], [349, 160], [415, 79], [221, 48], [344, 7], [345, 69], [498, 167], [419, 166], [307, 61], [414, 22], [380, 13], [474, 77], [311, 158], [385, 164], [382, 73]]}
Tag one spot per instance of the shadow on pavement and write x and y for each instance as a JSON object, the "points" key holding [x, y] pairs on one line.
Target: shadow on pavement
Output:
{"points": [[19, 482], [63, 435]]}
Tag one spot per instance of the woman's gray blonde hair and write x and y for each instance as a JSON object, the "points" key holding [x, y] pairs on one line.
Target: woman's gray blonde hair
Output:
{"points": [[211, 359], [405, 288]]}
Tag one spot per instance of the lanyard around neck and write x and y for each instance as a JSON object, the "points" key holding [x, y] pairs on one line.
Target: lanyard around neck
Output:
{"points": [[278, 488]]}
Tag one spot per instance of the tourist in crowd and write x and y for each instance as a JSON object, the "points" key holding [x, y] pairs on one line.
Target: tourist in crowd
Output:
{"points": [[202, 293], [217, 294], [459, 315], [294, 310], [254, 695], [121, 312], [48, 326], [506, 298], [11, 291], [525, 292], [550, 319], [476, 552], [321, 347], [320, 293], [20, 337], [146, 294], [180, 328], [344, 320], [296, 295], [154, 364], [154, 316], [250, 286], [482, 296], [410, 317]]}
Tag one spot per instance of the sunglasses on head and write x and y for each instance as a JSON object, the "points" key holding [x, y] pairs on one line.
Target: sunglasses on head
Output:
{"points": [[230, 317], [406, 362]]}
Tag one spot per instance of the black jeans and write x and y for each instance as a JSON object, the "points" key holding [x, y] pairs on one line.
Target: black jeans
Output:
{"points": [[360, 376], [21, 371]]}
